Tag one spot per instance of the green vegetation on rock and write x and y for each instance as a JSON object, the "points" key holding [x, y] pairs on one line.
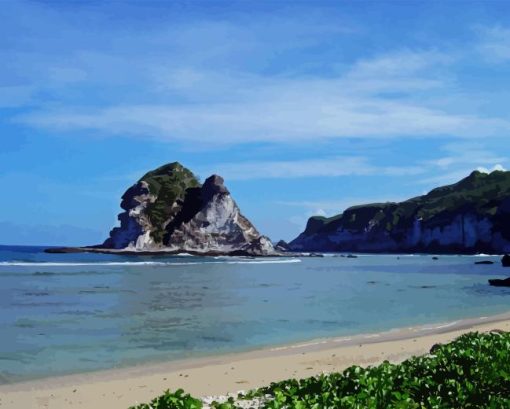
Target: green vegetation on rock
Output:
{"points": [[471, 372], [168, 184], [479, 192], [475, 212]]}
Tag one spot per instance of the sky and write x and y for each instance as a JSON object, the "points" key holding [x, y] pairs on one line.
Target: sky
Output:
{"points": [[305, 108]]}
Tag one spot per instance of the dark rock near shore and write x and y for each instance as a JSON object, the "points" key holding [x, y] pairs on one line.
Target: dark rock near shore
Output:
{"points": [[496, 282], [505, 260], [484, 262]]}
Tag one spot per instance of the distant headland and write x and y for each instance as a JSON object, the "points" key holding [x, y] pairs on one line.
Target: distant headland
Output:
{"points": [[470, 216]]}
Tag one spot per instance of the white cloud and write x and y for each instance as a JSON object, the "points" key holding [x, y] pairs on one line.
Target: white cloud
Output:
{"points": [[459, 161], [215, 81], [240, 107], [337, 206], [494, 43], [320, 212], [329, 208], [402, 70], [291, 118], [455, 175], [333, 166], [461, 154], [494, 168]]}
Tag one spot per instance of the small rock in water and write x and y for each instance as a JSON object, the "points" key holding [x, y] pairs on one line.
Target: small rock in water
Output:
{"points": [[484, 262], [497, 282], [505, 260]]}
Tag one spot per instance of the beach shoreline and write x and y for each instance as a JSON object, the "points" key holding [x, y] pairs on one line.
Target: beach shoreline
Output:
{"points": [[221, 374]]}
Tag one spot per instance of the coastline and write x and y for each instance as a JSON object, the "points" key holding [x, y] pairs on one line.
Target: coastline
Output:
{"points": [[167, 252], [218, 375], [241, 253]]}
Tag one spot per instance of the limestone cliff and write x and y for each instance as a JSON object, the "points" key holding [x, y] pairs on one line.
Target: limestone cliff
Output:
{"points": [[470, 216], [169, 210]]}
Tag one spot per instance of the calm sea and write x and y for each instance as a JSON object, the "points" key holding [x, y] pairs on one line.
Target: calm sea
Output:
{"points": [[67, 313]]}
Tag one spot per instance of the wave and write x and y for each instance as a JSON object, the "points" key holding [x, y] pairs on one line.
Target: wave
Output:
{"points": [[140, 263], [284, 261]]}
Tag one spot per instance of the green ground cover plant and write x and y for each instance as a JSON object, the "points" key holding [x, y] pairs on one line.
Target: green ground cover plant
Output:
{"points": [[472, 371]]}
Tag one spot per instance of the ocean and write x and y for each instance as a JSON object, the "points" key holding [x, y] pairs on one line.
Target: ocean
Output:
{"points": [[72, 313]]}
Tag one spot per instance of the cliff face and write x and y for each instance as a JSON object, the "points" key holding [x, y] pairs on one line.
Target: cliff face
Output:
{"points": [[470, 216], [169, 210]]}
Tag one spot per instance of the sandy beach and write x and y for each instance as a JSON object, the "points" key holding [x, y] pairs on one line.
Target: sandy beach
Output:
{"points": [[120, 388]]}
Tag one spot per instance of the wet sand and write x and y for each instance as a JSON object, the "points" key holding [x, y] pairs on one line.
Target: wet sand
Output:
{"points": [[121, 388]]}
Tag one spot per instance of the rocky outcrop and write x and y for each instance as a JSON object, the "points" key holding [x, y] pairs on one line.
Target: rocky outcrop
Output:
{"points": [[282, 245], [169, 210], [471, 216], [505, 260], [498, 282]]}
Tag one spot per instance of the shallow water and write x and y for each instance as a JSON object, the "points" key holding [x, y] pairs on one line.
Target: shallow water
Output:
{"points": [[66, 313]]}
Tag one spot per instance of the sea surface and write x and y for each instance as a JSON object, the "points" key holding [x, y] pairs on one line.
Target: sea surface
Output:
{"points": [[69, 313]]}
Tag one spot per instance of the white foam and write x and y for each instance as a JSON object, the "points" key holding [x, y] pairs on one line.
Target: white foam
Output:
{"points": [[285, 261], [77, 264], [449, 324], [140, 263]]}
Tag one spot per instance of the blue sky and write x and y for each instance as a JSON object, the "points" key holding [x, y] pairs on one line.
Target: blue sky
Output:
{"points": [[304, 107]]}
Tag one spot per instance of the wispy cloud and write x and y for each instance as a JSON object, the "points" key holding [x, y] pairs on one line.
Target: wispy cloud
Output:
{"points": [[336, 206], [323, 167], [459, 160], [494, 43], [296, 117], [235, 82], [466, 154], [328, 207], [445, 178]]}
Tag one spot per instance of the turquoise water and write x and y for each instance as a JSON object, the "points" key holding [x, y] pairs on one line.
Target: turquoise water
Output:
{"points": [[66, 313]]}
